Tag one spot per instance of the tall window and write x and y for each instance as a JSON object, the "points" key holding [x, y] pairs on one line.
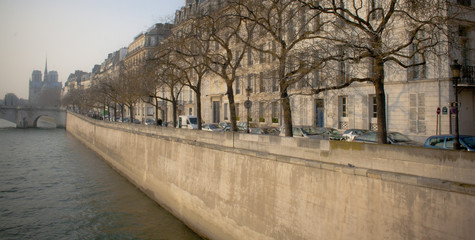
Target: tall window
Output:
{"points": [[274, 50], [374, 106], [290, 28], [275, 82], [261, 53], [303, 20], [465, 45], [249, 81], [237, 110], [261, 82], [344, 106], [238, 85], [316, 20], [249, 57], [275, 112], [316, 78], [418, 71], [261, 111], [417, 113], [226, 106], [376, 10], [342, 67]]}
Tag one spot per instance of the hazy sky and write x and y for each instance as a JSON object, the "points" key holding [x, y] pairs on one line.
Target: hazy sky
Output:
{"points": [[72, 34]]}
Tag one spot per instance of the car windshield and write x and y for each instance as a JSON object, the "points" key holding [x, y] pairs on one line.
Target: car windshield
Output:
{"points": [[371, 136], [213, 126], [193, 120], [469, 141], [333, 131], [257, 131], [397, 137]]}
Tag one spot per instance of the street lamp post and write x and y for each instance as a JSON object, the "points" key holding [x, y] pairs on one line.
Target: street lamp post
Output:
{"points": [[455, 68], [248, 104]]}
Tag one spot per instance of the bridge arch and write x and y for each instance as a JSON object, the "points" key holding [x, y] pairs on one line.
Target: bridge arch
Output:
{"points": [[27, 117], [45, 121]]}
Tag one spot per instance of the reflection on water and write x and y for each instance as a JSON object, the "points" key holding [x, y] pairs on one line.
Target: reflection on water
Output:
{"points": [[53, 187]]}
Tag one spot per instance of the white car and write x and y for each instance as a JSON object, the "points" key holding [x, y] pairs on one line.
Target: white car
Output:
{"points": [[350, 134]]}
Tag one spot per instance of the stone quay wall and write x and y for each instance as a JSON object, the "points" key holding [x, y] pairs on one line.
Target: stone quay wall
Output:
{"points": [[242, 186]]}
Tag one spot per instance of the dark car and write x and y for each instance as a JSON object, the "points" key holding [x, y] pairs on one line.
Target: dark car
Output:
{"points": [[395, 138], [447, 142]]}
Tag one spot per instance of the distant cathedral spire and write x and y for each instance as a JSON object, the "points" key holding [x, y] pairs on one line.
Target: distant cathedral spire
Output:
{"points": [[45, 78]]}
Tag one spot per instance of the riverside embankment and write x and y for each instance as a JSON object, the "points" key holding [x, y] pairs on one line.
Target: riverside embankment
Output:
{"points": [[241, 186]]}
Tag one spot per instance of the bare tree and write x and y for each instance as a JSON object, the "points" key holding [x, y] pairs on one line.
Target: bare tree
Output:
{"points": [[228, 34], [380, 33], [166, 75], [128, 87], [190, 55], [283, 33]]}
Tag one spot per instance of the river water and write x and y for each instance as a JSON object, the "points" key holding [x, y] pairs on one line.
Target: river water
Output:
{"points": [[53, 187]]}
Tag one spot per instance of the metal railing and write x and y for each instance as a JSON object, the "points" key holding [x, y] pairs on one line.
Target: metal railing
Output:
{"points": [[467, 75]]}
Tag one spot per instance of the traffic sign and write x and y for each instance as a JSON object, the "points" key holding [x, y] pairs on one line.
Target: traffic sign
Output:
{"points": [[247, 104]]}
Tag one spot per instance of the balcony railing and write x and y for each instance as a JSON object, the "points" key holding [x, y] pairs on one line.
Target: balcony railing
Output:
{"points": [[467, 76]]}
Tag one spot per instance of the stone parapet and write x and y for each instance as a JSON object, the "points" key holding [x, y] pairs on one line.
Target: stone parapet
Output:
{"points": [[241, 186]]}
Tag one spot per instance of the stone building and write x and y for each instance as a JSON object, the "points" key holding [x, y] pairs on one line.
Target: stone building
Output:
{"points": [[413, 95], [139, 51]]}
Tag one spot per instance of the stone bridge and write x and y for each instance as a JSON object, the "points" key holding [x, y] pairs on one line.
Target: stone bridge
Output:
{"points": [[27, 116]]}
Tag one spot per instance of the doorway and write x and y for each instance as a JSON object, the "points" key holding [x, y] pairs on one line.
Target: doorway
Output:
{"points": [[319, 113]]}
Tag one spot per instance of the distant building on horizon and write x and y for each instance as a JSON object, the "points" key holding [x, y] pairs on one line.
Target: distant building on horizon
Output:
{"points": [[46, 91], [11, 99]]}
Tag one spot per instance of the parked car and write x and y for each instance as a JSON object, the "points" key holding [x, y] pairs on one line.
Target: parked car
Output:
{"points": [[304, 132], [393, 138], [331, 134], [447, 142], [265, 131], [188, 122], [211, 127], [242, 126], [350, 134], [224, 125], [149, 121]]}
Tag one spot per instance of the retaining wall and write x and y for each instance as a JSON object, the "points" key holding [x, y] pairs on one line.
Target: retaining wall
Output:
{"points": [[242, 186]]}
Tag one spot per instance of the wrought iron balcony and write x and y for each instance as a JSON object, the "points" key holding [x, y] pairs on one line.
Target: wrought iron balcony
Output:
{"points": [[467, 76]]}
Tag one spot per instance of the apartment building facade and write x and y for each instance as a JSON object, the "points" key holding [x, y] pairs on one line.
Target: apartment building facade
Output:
{"points": [[419, 100]]}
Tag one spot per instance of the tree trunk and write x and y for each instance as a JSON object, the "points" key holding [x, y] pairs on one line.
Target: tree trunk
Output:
{"points": [[174, 106], [198, 109], [131, 113], [284, 97], [122, 112], [232, 107], [115, 112], [380, 95], [156, 110]]}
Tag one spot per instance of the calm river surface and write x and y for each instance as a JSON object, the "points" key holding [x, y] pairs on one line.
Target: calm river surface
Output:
{"points": [[53, 187]]}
